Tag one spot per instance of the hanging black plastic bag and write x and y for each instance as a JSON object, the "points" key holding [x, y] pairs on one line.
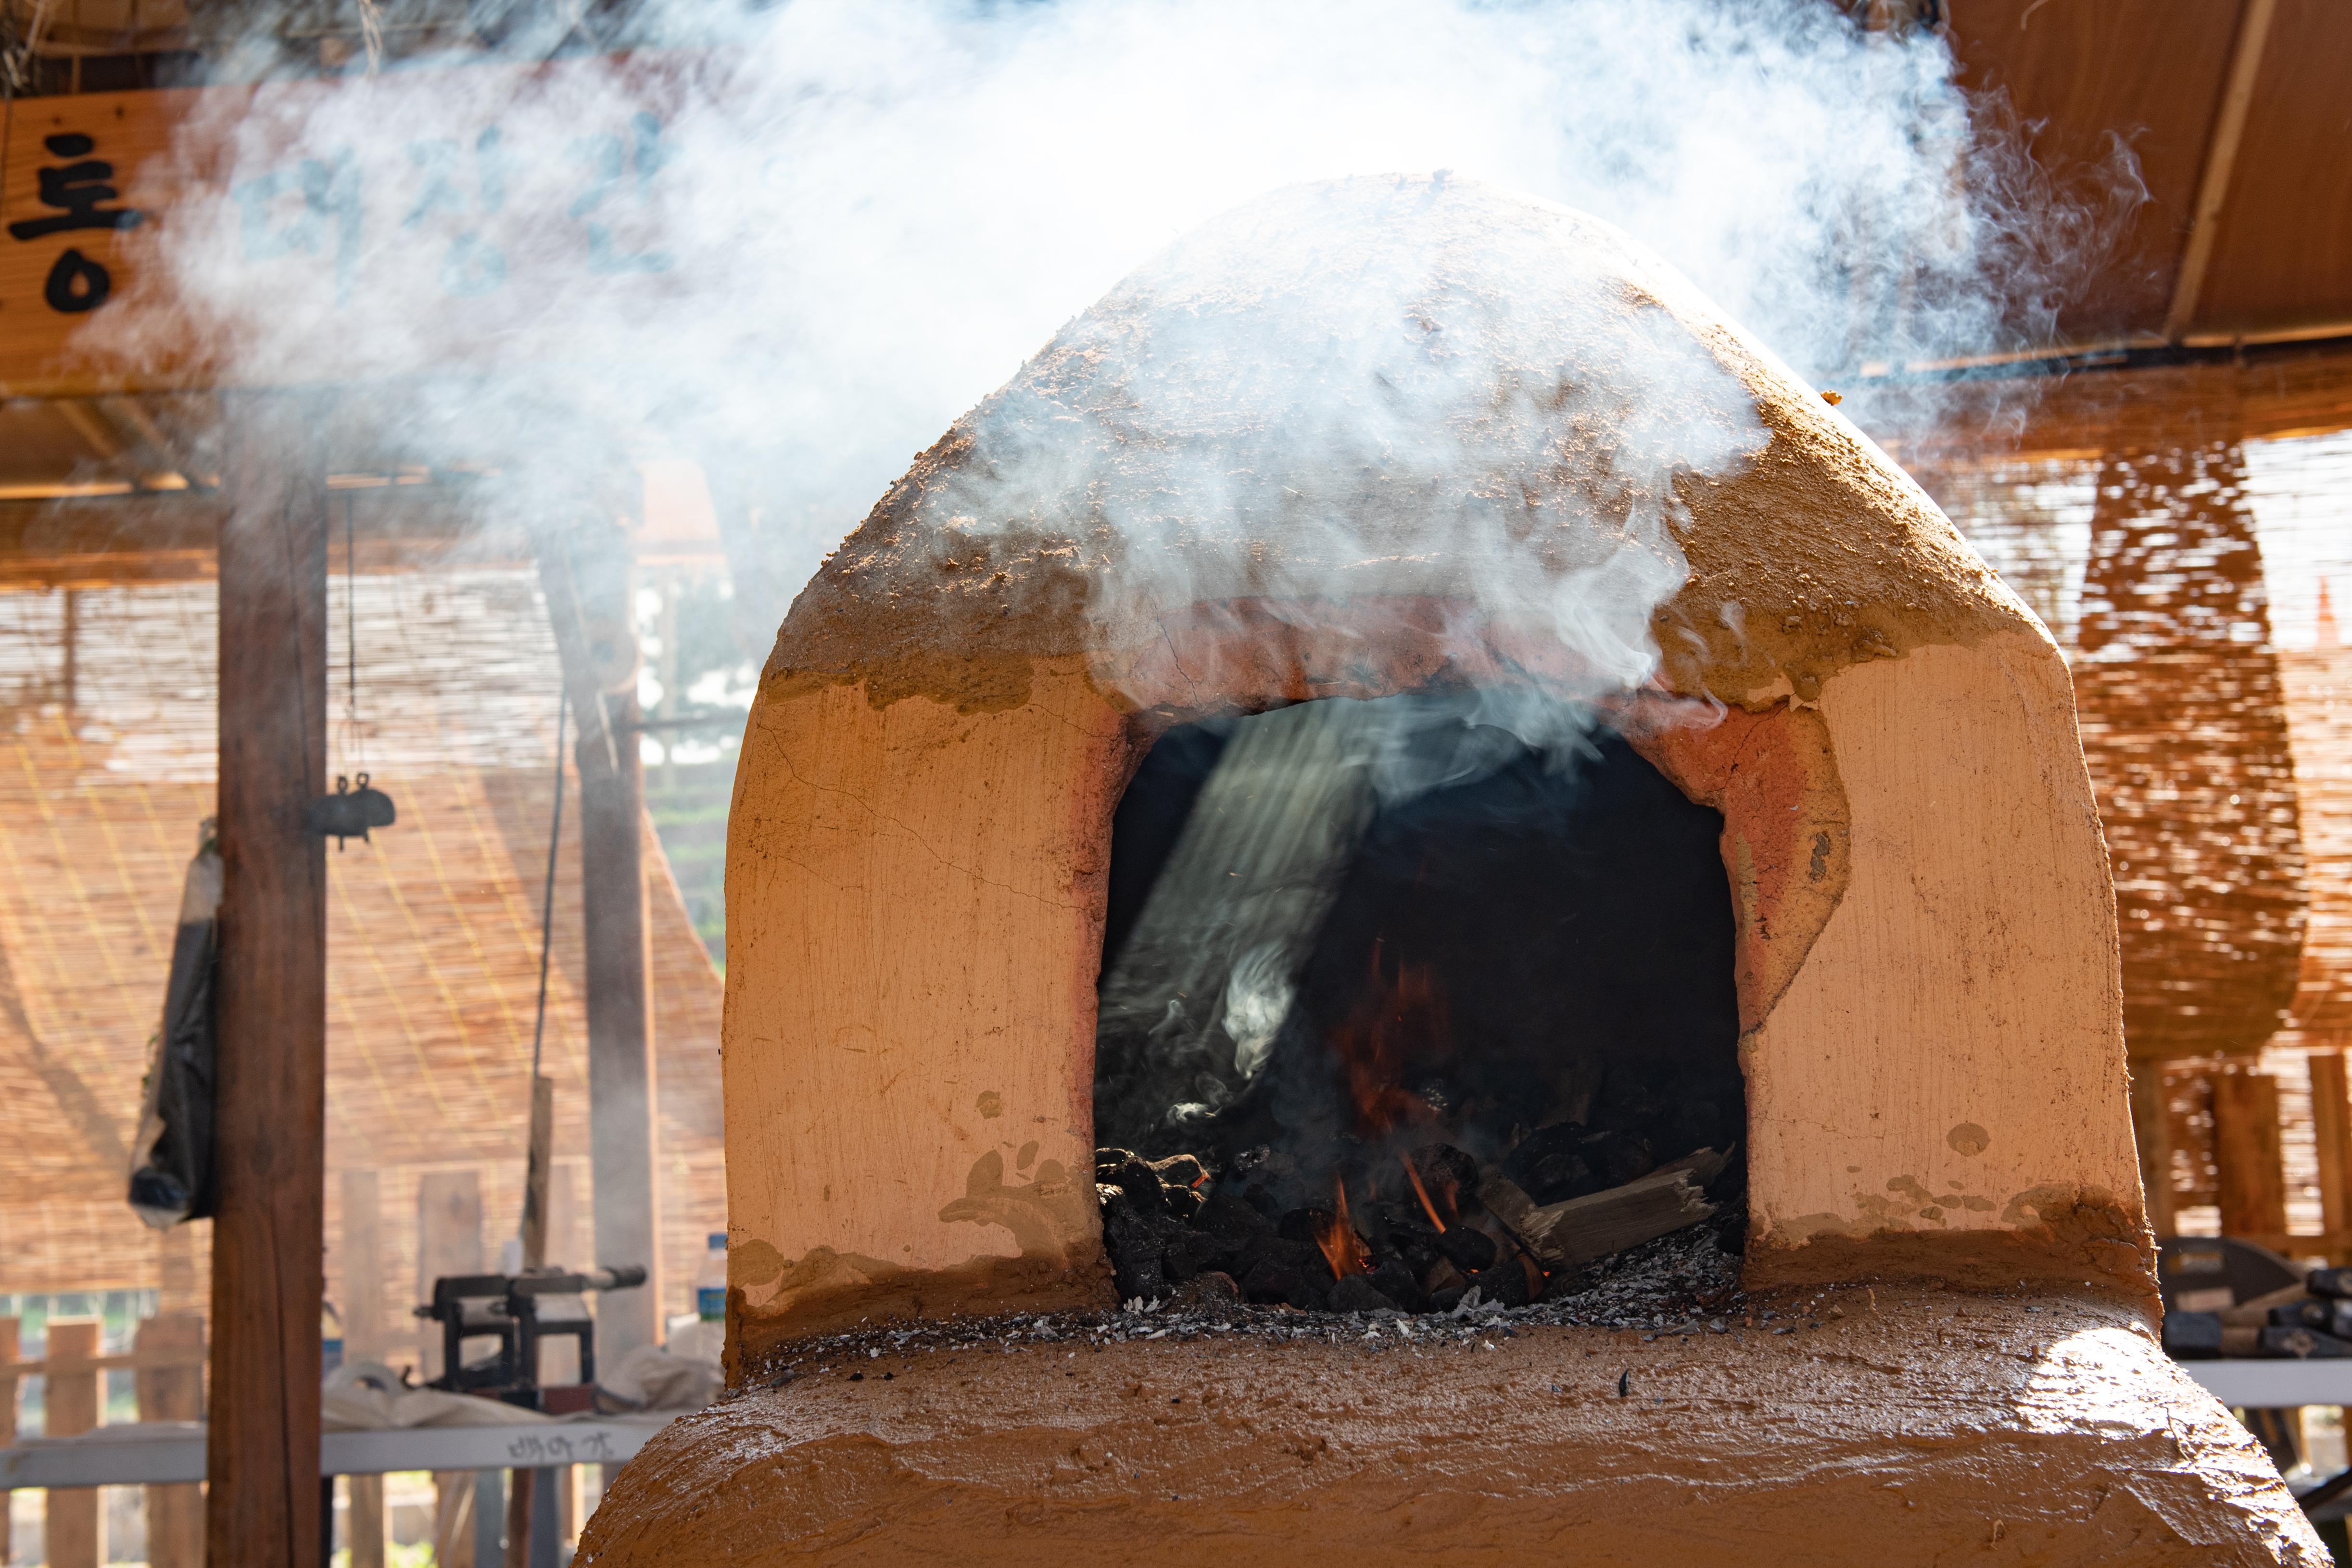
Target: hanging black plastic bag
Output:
{"points": [[171, 1162]]}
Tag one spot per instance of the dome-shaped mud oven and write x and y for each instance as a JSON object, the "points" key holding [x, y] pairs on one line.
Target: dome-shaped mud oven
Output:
{"points": [[1403, 756]]}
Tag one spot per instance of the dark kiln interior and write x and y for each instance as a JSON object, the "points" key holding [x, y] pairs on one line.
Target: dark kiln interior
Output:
{"points": [[1405, 998]]}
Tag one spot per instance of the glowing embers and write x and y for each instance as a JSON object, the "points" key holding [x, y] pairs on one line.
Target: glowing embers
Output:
{"points": [[1419, 997]]}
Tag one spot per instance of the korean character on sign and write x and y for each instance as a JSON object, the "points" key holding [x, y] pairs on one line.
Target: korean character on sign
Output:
{"points": [[80, 192], [474, 265], [329, 191], [610, 158]]}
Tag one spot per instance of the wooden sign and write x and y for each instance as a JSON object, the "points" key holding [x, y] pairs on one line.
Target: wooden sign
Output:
{"points": [[328, 230]]}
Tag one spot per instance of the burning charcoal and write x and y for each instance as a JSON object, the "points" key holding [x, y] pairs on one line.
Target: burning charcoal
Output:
{"points": [[1197, 1252], [1395, 1281], [1505, 1283], [1549, 1166], [1181, 1170], [1357, 1293], [1449, 1176], [1279, 1278], [1142, 1185], [1619, 1157], [1135, 1246], [1418, 1250], [1288, 1261], [1440, 1277], [1469, 1250], [1184, 1183], [1229, 1217], [1304, 1225], [1210, 1289]]}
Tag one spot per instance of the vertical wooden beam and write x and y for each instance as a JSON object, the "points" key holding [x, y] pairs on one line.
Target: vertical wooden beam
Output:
{"points": [[589, 581], [175, 1515], [560, 1362], [536, 1178], [363, 1267], [2221, 162], [2246, 1148], [2152, 1130], [448, 1241], [365, 1521], [10, 1328], [453, 1520], [71, 1401], [269, 1275], [2331, 1119], [363, 1340]]}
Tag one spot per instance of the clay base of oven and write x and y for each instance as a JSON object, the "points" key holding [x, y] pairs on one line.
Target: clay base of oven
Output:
{"points": [[1922, 1425]]}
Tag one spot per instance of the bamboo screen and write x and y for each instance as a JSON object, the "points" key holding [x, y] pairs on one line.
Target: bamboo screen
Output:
{"points": [[2193, 587], [106, 769]]}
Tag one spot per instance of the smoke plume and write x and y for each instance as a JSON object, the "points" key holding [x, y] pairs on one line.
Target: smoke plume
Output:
{"points": [[794, 244]]}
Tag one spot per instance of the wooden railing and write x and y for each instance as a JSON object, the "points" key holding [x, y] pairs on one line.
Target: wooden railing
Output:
{"points": [[167, 1355]]}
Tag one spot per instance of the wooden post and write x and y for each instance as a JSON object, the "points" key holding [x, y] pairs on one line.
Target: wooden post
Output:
{"points": [[2246, 1149], [364, 1521], [535, 1182], [560, 1362], [453, 1520], [448, 1241], [70, 1400], [270, 1106], [271, 1086], [2331, 1119], [362, 1267], [175, 1515], [587, 576], [363, 1340], [8, 1330], [2151, 1114]]}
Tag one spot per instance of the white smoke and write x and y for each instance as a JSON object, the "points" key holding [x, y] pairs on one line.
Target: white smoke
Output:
{"points": [[798, 255]]}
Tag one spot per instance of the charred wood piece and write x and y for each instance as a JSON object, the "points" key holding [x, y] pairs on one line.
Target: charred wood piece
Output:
{"points": [[1579, 1230]]}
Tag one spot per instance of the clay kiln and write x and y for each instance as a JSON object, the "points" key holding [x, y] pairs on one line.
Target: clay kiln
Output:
{"points": [[1356, 442]]}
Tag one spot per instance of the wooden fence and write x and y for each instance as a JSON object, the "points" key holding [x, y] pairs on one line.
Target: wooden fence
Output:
{"points": [[167, 1357]]}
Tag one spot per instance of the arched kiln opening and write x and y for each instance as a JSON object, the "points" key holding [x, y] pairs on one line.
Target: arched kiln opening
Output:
{"points": [[1408, 997]]}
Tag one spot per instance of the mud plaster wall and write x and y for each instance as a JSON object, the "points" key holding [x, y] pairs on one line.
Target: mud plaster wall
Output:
{"points": [[1927, 967], [920, 833]]}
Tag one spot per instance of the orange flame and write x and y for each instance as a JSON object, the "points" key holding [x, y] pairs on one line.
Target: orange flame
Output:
{"points": [[1342, 1247], [1402, 1019], [1421, 1192]]}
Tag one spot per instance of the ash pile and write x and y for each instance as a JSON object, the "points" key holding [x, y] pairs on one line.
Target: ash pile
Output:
{"points": [[1424, 1232]]}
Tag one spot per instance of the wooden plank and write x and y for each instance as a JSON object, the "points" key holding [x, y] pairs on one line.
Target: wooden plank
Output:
{"points": [[589, 583], [363, 1522], [567, 1248], [2331, 1119], [268, 1277], [2221, 162], [72, 1404], [336, 236], [175, 1515], [8, 1387], [535, 1184], [362, 1267], [2152, 1132], [448, 1241], [2246, 1149], [453, 1519]]}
